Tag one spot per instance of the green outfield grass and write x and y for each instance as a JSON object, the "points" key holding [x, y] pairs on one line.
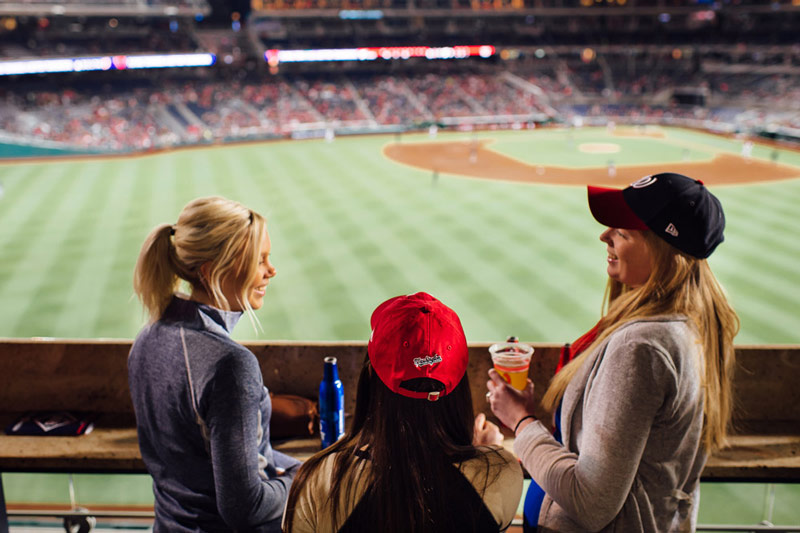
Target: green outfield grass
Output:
{"points": [[351, 228], [720, 503]]}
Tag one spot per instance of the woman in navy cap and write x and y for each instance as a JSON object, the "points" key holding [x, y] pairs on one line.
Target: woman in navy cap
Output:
{"points": [[411, 461], [646, 394]]}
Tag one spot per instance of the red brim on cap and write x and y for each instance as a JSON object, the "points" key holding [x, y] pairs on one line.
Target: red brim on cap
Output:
{"points": [[609, 208]]}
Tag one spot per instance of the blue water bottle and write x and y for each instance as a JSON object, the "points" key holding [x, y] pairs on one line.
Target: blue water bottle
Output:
{"points": [[331, 404]]}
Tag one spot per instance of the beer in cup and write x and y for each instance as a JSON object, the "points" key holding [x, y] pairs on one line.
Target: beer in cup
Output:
{"points": [[512, 360]]}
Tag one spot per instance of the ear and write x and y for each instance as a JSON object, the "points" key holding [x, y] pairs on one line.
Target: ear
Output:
{"points": [[205, 268]]}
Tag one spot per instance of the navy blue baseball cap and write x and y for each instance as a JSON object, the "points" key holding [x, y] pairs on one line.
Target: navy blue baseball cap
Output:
{"points": [[679, 209]]}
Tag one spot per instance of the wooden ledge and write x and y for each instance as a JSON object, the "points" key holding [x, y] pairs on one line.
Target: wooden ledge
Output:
{"points": [[91, 376], [767, 458], [761, 458]]}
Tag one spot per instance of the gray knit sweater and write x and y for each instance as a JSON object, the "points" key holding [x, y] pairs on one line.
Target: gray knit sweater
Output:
{"points": [[202, 414], [632, 420]]}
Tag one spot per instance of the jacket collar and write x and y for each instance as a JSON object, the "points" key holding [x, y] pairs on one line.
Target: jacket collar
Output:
{"points": [[200, 316]]}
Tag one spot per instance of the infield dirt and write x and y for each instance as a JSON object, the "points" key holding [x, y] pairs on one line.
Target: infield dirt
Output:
{"points": [[466, 158]]}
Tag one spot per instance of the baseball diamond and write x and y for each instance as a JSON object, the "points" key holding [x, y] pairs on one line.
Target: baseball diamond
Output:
{"points": [[513, 252]]}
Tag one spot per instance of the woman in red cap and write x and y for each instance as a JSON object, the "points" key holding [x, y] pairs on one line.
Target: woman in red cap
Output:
{"points": [[411, 461], [648, 396]]}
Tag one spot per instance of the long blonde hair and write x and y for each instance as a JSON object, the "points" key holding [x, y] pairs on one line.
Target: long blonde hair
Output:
{"points": [[684, 285], [213, 231]]}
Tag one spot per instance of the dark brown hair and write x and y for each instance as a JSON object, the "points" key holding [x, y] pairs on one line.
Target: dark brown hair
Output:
{"points": [[409, 442]]}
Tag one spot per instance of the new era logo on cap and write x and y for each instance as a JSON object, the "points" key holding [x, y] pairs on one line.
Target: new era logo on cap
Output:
{"points": [[672, 230]]}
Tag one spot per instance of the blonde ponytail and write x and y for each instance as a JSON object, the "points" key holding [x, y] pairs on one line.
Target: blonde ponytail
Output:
{"points": [[154, 278], [213, 240]]}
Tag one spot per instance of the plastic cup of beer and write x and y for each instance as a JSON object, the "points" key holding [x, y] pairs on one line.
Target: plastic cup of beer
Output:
{"points": [[512, 360]]}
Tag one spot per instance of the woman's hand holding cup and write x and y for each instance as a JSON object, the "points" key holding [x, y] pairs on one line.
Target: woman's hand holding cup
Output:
{"points": [[508, 404]]}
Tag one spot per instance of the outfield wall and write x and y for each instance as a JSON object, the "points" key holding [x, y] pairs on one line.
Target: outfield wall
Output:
{"points": [[15, 147]]}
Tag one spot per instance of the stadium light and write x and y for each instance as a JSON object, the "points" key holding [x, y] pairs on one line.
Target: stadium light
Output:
{"points": [[274, 57], [119, 62]]}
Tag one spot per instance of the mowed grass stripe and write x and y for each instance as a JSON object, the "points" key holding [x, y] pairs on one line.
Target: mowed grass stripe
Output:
{"points": [[289, 209], [399, 239], [327, 177], [17, 201], [758, 262], [377, 208], [553, 273], [753, 268], [774, 201], [86, 284], [474, 226], [154, 198], [421, 219], [704, 141], [761, 322], [252, 190], [122, 234], [23, 218], [488, 206], [768, 265], [202, 170], [55, 256], [351, 206], [23, 267], [314, 258], [765, 314], [503, 292], [304, 272], [757, 240]]}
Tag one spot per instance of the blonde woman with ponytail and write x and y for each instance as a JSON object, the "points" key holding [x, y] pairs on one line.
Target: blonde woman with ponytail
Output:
{"points": [[202, 411], [641, 399]]}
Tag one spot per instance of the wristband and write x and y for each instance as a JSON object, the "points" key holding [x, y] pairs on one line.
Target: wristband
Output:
{"points": [[521, 420]]}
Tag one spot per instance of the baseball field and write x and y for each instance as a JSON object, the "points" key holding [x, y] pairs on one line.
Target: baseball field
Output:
{"points": [[494, 223]]}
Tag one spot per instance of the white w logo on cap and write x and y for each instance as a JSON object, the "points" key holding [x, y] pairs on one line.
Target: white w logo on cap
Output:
{"points": [[644, 182]]}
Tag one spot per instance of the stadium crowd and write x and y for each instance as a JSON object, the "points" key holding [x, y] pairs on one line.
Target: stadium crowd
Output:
{"points": [[737, 65], [179, 112]]}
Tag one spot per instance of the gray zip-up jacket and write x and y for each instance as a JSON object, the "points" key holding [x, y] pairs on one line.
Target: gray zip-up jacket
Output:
{"points": [[202, 414], [632, 420]]}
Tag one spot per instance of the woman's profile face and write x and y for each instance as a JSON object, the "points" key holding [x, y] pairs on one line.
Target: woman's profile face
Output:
{"points": [[629, 258], [255, 287]]}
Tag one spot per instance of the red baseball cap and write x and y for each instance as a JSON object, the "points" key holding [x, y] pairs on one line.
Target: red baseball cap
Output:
{"points": [[417, 341]]}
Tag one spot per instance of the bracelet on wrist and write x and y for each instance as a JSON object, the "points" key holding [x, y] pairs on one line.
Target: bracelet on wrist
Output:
{"points": [[521, 420]]}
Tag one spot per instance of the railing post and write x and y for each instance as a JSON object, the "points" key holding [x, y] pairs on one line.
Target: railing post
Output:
{"points": [[3, 512]]}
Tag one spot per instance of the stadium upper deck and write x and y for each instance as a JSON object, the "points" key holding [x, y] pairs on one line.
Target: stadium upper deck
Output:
{"points": [[549, 60]]}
